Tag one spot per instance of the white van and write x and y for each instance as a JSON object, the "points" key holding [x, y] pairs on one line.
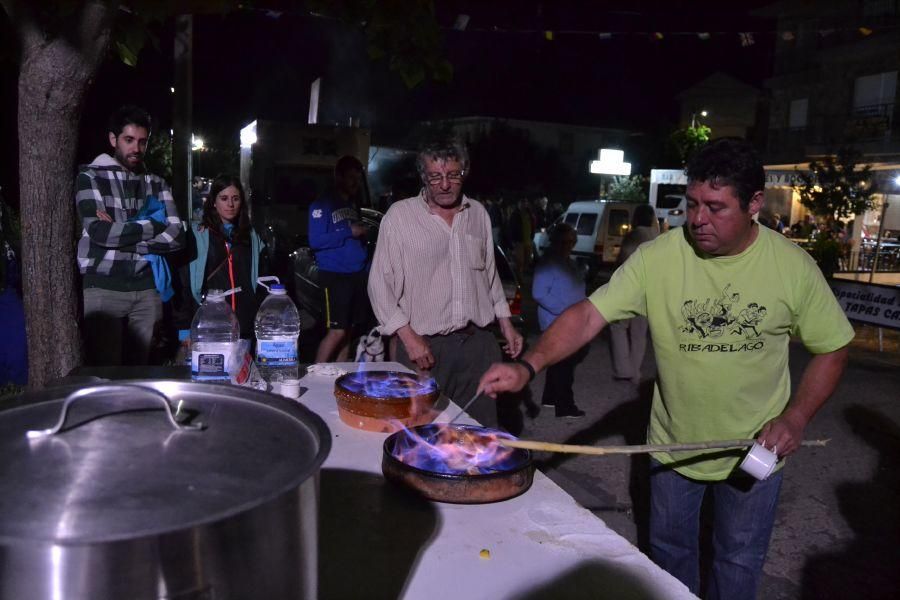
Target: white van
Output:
{"points": [[667, 196], [600, 226]]}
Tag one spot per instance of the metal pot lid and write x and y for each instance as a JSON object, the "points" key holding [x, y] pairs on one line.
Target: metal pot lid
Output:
{"points": [[123, 466]]}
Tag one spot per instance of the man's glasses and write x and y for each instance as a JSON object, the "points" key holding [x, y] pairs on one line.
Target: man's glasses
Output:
{"points": [[452, 177]]}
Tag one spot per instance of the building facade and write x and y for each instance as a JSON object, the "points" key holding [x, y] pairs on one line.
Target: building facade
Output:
{"points": [[834, 86]]}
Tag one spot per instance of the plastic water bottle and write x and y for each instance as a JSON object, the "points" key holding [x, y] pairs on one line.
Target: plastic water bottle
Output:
{"points": [[277, 330], [215, 332]]}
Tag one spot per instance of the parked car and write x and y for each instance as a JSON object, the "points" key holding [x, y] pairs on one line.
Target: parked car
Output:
{"points": [[310, 297], [667, 189], [600, 226]]}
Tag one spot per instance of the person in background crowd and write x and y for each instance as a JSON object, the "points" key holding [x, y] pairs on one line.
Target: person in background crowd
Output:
{"points": [[540, 213], [338, 238], [223, 252], [13, 342], [555, 212], [434, 283], [722, 362], [778, 223], [128, 220], [557, 285], [197, 198], [521, 233], [496, 215], [808, 228], [628, 337]]}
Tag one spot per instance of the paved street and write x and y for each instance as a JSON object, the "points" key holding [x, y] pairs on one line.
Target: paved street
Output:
{"points": [[838, 526]]}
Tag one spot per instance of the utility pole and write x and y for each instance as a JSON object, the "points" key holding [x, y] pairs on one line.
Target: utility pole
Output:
{"points": [[182, 115]]}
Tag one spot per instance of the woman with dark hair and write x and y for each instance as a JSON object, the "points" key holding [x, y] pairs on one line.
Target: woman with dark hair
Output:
{"points": [[629, 337], [223, 252]]}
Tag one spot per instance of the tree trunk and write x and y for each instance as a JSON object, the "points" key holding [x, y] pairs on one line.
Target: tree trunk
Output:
{"points": [[54, 77]]}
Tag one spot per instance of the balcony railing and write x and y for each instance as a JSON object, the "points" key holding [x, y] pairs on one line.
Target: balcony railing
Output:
{"points": [[870, 122]]}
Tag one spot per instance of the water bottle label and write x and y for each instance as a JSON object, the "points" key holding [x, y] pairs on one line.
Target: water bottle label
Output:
{"points": [[276, 353], [208, 366]]}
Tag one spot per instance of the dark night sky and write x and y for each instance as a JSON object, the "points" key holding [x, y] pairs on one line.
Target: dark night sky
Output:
{"points": [[248, 64], [514, 72]]}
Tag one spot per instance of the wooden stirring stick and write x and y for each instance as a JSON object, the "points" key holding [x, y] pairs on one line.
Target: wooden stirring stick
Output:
{"points": [[603, 450]]}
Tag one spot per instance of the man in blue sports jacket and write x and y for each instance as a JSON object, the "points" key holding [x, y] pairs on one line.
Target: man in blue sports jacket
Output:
{"points": [[338, 240]]}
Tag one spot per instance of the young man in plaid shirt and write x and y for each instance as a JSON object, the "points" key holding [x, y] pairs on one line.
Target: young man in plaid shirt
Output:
{"points": [[127, 217]]}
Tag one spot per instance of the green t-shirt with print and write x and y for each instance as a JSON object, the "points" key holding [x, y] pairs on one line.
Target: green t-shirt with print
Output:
{"points": [[720, 327]]}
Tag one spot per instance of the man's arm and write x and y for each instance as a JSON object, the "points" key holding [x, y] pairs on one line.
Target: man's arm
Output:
{"points": [[104, 232], [819, 380], [386, 282], [170, 239], [573, 329]]}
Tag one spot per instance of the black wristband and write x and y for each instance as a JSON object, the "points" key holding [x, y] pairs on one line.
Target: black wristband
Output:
{"points": [[528, 366]]}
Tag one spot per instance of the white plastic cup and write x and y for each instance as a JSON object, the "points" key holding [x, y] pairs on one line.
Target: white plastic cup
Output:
{"points": [[290, 388], [760, 461]]}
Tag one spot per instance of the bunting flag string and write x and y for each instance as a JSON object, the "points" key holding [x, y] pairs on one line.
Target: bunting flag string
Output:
{"points": [[746, 39]]}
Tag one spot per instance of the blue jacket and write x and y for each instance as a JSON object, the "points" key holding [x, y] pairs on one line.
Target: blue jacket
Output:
{"points": [[198, 266], [556, 286], [154, 210], [331, 238]]}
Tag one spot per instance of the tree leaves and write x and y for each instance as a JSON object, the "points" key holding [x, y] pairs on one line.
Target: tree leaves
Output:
{"points": [[835, 187], [685, 142], [629, 189], [405, 32]]}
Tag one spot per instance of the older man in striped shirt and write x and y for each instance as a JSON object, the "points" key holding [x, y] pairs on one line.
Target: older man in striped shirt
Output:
{"points": [[434, 284]]}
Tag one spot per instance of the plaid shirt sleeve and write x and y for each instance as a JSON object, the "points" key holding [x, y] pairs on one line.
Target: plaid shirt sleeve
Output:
{"points": [[121, 235], [141, 236], [171, 238]]}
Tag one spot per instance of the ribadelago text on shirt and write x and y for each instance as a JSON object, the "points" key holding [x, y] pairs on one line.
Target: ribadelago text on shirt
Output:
{"points": [[752, 346]]}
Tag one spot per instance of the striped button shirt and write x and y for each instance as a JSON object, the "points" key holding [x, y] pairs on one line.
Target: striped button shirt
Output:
{"points": [[432, 276]]}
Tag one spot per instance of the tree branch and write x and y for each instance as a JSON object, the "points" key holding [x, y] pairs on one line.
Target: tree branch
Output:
{"points": [[95, 23], [25, 24]]}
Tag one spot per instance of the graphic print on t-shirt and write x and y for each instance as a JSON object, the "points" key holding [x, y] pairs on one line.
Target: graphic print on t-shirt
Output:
{"points": [[348, 213], [722, 323]]}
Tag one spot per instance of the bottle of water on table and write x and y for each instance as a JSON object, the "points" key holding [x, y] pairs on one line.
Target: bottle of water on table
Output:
{"points": [[277, 329], [215, 332]]}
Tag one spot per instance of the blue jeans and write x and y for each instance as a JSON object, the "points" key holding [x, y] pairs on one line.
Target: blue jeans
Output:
{"points": [[744, 512]]}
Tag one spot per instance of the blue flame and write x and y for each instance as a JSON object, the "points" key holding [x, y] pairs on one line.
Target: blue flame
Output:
{"points": [[387, 384], [456, 450]]}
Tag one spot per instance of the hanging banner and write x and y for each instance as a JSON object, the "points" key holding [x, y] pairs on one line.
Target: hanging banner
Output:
{"points": [[870, 303]]}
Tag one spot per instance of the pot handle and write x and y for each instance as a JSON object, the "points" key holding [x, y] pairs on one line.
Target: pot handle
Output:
{"points": [[88, 391]]}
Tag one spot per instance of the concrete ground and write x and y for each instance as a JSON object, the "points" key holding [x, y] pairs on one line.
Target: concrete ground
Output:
{"points": [[838, 525]]}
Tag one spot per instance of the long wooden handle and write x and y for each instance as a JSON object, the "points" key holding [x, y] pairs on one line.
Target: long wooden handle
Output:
{"points": [[603, 450]]}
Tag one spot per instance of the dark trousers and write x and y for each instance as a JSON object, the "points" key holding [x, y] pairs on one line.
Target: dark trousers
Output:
{"points": [[118, 326], [558, 383], [460, 359]]}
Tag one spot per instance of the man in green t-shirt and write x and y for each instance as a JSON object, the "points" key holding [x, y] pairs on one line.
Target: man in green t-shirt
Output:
{"points": [[722, 296]]}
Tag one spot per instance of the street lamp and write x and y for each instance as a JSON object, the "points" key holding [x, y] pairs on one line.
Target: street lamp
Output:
{"points": [[197, 146], [703, 113]]}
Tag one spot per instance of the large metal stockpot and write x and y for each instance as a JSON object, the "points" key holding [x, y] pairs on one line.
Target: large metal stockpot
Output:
{"points": [[159, 489]]}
